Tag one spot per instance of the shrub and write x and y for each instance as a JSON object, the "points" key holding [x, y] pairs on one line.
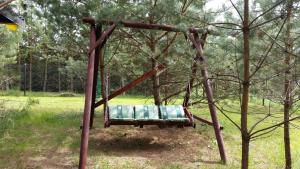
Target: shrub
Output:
{"points": [[67, 95]]}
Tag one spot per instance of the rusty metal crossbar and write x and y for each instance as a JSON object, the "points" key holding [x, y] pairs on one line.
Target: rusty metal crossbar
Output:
{"points": [[130, 85], [139, 25]]}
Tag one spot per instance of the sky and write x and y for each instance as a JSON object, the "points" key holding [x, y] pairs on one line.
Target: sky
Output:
{"points": [[214, 5], [217, 4]]}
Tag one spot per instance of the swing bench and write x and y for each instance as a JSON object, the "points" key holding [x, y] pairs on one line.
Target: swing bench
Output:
{"points": [[139, 115]]}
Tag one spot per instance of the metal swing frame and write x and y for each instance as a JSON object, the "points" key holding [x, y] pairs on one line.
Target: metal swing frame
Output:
{"points": [[98, 38]]}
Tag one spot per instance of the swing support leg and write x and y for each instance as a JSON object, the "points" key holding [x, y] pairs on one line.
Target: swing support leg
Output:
{"points": [[209, 95], [88, 103], [96, 65], [190, 85], [193, 76], [103, 87]]}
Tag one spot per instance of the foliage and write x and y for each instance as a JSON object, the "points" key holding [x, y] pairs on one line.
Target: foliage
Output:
{"points": [[8, 54], [9, 114]]}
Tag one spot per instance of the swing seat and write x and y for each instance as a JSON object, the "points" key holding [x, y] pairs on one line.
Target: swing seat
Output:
{"points": [[147, 115], [121, 112], [173, 113], [146, 112]]}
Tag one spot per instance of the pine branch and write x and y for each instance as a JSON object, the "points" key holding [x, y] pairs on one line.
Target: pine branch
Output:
{"points": [[267, 132], [5, 3], [258, 122], [237, 10], [265, 12], [271, 127], [225, 23], [265, 22], [234, 123], [262, 60]]}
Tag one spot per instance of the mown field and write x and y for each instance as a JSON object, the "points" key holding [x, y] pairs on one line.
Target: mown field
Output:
{"points": [[42, 131]]}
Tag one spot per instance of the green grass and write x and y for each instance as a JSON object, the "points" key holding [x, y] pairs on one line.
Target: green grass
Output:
{"points": [[44, 123], [35, 94]]}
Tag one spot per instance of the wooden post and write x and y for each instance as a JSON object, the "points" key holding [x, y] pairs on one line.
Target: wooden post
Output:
{"points": [[209, 95], [190, 84], [103, 86], [193, 75], [88, 103], [102, 39], [138, 25], [98, 54]]}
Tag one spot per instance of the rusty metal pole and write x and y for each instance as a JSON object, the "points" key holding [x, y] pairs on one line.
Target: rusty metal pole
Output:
{"points": [[193, 75], [98, 54], [139, 25], [213, 113], [190, 85], [103, 86], [88, 103], [209, 95]]}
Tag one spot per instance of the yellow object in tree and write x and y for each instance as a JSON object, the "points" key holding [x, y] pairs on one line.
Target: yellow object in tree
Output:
{"points": [[11, 26]]}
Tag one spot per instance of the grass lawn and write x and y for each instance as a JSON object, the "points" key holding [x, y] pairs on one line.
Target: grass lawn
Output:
{"points": [[43, 132]]}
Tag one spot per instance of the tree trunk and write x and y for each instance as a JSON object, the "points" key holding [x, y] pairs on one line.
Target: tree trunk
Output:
{"points": [[287, 148], [20, 69], [166, 93], [287, 87], [122, 83], [156, 85], [7, 84], [187, 96], [245, 152], [71, 83], [166, 54], [155, 78], [45, 75], [246, 86], [30, 72], [197, 91], [59, 77]]}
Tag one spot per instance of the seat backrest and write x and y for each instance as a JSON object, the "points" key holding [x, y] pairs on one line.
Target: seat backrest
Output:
{"points": [[146, 112], [121, 112], [172, 112]]}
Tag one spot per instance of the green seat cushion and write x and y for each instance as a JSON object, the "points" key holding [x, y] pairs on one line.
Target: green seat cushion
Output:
{"points": [[119, 112], [146, 112], [173, 113]]}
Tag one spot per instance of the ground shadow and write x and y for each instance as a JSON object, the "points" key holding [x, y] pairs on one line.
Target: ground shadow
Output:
{"points": [[210, 161], [130, 145]]}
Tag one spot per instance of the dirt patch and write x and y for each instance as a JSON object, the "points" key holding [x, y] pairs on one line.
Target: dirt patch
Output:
{"points": [[131, 147], [155, 146]]}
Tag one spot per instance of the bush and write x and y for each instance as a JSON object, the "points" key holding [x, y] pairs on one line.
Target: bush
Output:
{"points": [[30, 102], [2, 109], [9, 116]]}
